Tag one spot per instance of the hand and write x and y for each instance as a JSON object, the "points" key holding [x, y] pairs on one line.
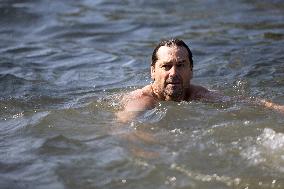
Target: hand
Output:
{"points": [[280, 108], [271, 105]]}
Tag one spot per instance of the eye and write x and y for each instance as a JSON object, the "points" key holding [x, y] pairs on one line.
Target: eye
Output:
{"points": [[180, 65], [166, 67]]}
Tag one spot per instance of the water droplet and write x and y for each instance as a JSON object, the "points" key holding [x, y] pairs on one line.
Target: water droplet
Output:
{"points": [[246, 122]]}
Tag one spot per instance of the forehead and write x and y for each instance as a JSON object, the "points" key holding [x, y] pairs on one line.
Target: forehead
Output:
{"points": [[172, 53]]}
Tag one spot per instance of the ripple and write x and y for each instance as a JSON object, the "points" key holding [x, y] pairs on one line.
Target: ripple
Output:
{"points": [[19, 122], [274, 36], [61, 145], [16, 16], [11, 84]]}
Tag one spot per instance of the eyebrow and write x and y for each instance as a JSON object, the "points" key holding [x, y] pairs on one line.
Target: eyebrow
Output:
{"points": [[164, 63], [170, 62]]}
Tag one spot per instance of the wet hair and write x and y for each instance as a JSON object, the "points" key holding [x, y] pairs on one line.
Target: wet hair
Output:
{"points": [[170, 43]]}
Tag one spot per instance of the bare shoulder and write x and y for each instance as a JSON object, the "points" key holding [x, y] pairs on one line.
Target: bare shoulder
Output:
{"points": [[139, 100], [135, 102], [198, 92]]}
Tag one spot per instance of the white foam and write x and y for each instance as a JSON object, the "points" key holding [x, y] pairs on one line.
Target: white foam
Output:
{"points": [[267, 150]]}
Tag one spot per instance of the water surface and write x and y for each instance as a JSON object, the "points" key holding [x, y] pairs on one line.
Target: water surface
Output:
{"points": [[64, 65]]}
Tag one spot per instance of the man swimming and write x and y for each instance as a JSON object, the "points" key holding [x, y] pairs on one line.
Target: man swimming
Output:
{"points": [[171, 72]]}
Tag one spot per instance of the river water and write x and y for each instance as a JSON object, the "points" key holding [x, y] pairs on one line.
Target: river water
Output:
{"points": [[65, 64]]}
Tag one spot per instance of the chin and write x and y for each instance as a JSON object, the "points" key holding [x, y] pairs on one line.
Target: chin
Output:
{"points": [[176, 95]]}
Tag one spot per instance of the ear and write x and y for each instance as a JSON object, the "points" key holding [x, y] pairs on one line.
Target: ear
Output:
{"points": [[190, 74], [153, 72]]}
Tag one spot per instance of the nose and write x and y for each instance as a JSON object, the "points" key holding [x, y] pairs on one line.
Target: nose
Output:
{"points": [[173, 71]]}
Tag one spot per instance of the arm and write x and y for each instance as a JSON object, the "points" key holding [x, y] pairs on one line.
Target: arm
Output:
{"points": [[134, 104], [206, 95], [270, 105]]}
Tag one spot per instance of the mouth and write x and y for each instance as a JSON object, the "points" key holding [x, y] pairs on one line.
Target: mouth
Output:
{"points": [[173, 83]]}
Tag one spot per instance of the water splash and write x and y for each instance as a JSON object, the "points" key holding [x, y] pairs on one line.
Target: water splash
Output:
{"points": [[267, 151], [154, 115]]}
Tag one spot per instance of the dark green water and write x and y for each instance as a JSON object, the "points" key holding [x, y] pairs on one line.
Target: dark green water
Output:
{"points": [[64, 65]]}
